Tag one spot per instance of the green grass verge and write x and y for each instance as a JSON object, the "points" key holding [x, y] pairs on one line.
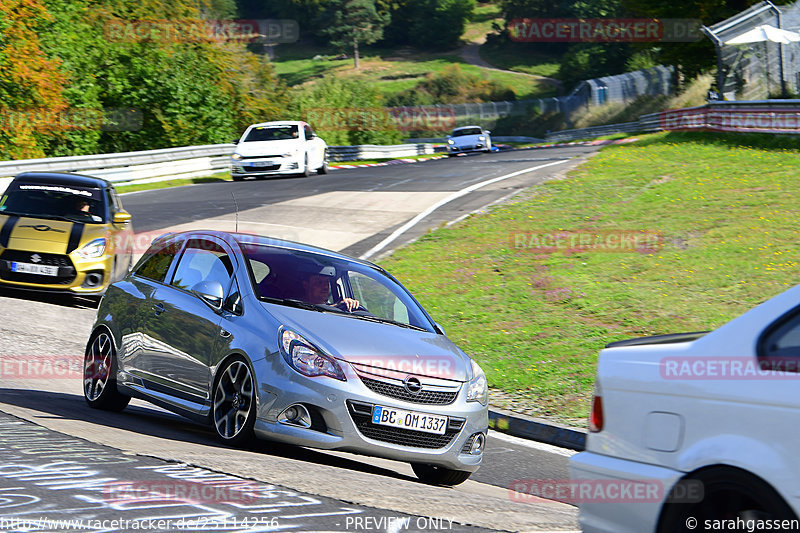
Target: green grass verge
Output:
{"points": [[535, 321], [172, 183]]}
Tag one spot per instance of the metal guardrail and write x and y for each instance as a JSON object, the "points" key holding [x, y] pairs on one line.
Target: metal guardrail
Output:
{"points": [[495, 138], [759, 116], [373, 151], [181, 163]]}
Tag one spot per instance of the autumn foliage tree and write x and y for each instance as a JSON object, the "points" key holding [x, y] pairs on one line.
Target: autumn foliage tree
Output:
{"points": [[30, 81]]}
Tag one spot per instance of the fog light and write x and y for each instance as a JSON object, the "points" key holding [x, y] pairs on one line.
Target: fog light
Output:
{"points": [[477, 444], [295, 415]]}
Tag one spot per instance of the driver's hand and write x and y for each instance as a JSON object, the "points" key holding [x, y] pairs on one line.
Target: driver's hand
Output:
{"points": [[349, 304]]}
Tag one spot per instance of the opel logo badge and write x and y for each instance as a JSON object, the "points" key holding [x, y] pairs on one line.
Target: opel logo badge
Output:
{"points": [[412, 385], [36, 258]]}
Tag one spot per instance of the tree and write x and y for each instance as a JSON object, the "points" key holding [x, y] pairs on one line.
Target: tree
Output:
{"points": [[353, 22]]}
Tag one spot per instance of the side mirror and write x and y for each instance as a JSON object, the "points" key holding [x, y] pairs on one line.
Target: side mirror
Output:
{"points": [[210, 291], [121, 217], [487, 132], [235, 141]]}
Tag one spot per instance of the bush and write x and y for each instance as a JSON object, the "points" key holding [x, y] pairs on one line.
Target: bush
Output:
{"points": [[345, 112], [453, 86]]}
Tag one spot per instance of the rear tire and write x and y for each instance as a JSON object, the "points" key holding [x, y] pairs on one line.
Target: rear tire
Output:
{"points": [[439, 475], [728, 493], [99, 370]]}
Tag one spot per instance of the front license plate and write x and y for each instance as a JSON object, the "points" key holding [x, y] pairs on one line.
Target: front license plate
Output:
{"points": [[389, 416], [262, 163], [29, 268]]}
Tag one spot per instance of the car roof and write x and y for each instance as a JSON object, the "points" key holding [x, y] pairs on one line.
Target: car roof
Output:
{"points": [[63, 178], [249, 238], [279, 123], [467, 127]]}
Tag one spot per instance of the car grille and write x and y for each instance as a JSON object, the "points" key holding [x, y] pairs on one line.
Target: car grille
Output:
{"points": [[361, 413], [66, 270], [429, 397], [248, 168]]}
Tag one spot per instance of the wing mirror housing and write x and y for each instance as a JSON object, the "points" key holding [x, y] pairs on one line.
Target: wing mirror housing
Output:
{"points": [[121, 217], [211, 292]]}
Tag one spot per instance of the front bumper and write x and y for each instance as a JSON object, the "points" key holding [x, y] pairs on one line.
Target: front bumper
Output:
{"points": [[607, 516], [266, 166], [454, 149], [340, 411], [75, 275]]}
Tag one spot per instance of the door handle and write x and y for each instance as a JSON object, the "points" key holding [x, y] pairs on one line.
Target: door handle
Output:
{"points": [[158, 308]]}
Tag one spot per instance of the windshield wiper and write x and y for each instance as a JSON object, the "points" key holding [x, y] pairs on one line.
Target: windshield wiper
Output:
{"points": [[373, 318], [37, 215], [291, 302]]}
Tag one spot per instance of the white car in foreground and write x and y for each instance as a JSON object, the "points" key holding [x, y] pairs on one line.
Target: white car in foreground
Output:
{"points": [[468, 139], [274, 148], [709, 421]]}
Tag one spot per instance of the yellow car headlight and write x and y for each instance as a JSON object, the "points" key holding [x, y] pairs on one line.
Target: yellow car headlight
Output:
{"points": [[93, 249]]}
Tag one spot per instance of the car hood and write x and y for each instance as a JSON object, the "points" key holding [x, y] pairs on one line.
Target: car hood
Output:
{"points": [[48, 235], [377, 345], [268, 148], [467, 139]]}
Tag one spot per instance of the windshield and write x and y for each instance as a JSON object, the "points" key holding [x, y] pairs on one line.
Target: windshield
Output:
{"points": [[272, 133], [78, 204], [467, 131], [293, 277]]}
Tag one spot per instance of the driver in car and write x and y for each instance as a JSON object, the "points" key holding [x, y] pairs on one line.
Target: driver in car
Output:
{"points": [[317, 288]]}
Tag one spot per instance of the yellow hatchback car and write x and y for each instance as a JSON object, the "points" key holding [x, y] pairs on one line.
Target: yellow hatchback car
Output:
{"points": [[63, 232]]}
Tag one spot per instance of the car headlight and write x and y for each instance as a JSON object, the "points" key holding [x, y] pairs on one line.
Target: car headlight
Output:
{"points": [[290, 154], [306, 359], [478, 388], [236, 157], [450, 141], [93, 249], [482, 138]]}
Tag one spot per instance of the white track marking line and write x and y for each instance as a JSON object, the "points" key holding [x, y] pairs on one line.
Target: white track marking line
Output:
{"points": [[541, 446], [458, 194]]}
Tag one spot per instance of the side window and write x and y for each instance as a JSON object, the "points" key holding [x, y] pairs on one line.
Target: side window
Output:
{"points": [[112, 207], [378, 299], [155, 264], [233, 303], [202, 260], [783, 340]]}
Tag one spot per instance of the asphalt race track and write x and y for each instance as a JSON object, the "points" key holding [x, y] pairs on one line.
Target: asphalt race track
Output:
{"points": [[61, 460]]}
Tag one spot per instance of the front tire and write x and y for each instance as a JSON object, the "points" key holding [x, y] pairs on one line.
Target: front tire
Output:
{"points": [[306, 172], [99, 366], [234, 409], [237, 177], [439, 475]]}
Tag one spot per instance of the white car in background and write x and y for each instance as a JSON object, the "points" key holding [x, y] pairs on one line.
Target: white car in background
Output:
{"points": [[468, 139], [716, 411], [276, 148]]}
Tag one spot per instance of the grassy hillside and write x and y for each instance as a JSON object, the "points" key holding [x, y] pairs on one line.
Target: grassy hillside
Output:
{"points": [[391, 71], [536, 320]]}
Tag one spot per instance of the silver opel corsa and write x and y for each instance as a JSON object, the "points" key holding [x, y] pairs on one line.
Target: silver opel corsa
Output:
{"points": [[268, 338]]}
